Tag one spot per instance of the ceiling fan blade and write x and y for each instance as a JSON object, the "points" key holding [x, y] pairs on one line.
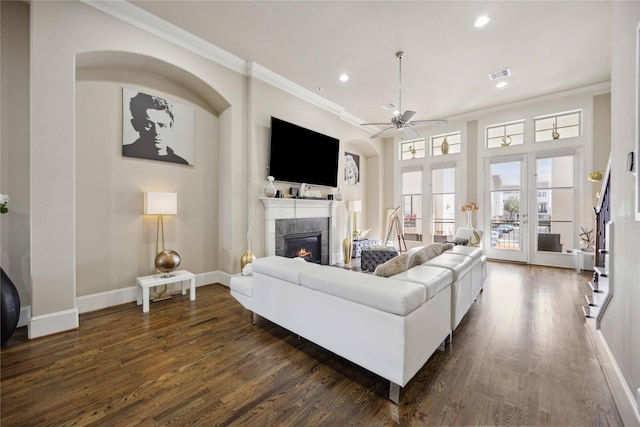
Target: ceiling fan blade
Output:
{"points": [[375, 124], [428, 122], [382, 132], [406, 116], [409, 132]]}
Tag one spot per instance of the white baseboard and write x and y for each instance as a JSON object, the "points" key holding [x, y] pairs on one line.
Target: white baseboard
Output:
{"points": [[52, 323], [65, 320], [622, 394], [102, 300]]}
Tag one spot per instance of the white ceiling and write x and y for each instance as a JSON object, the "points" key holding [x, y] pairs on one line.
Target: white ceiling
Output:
{"points": [[550, 47]]}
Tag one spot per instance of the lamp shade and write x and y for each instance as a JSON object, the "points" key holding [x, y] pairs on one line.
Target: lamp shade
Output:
{"points": [[355, 206], [160, 203]]}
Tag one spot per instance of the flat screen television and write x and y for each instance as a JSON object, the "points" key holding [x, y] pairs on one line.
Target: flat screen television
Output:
{"points": [[301, 155]]}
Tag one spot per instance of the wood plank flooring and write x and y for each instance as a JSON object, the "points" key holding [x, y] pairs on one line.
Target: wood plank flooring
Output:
{"points": [[521, 356]]}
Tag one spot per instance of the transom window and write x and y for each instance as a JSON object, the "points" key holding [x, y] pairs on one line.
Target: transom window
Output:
{"points": [[505, 134], [445, 144], [557, 126], [413, 149]]}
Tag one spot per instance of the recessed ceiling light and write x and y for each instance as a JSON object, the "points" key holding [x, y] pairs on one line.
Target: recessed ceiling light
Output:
{"points": [[502, 85], [344, 77], [481, 21]]}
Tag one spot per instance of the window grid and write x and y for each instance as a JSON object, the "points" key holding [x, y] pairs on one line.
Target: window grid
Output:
{"points": [[452, 146], [557, 126], [505, 134], [413, 149]]}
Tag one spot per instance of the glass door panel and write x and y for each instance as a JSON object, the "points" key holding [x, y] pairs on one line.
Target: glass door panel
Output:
{"points": [[443, 202], [507, 218]]}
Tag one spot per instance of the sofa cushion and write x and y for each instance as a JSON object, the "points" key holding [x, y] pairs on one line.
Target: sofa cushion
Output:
{"points": [[393, 296], [458, 264], [287, 269], [434, 279], [393, 266], [470, 251]]}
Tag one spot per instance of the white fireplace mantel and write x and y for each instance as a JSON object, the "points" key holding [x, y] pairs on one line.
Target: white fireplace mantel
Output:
{"points": [[283, 208]]}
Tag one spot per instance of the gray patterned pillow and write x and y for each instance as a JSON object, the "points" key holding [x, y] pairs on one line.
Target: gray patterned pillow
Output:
{"points": [[393, 266]]}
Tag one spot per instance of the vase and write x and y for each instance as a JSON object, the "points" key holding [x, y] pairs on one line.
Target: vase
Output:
{"points": [[338, 195], [347, 248], [469, 223], [10, 307], [247, 258], [444, 147], [270, 189]]}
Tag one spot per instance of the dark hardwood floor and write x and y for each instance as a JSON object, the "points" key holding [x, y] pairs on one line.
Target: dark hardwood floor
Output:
{"points": [[521, 356]]}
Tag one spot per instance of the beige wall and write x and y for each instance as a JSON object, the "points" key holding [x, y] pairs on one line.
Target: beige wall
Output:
{"points": [[621, 318], [14, 138], [115, 242], [64, 170]]}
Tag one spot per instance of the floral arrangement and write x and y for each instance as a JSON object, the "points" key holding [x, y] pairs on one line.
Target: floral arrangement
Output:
{"points": [[469, 207], [4, 201]]}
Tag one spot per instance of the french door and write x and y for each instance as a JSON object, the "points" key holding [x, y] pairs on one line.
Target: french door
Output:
{"points": [[532, 208], [506, 226]]}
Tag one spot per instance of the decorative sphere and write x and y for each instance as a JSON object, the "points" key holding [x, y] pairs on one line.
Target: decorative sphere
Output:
{"points": [[167, 261]]}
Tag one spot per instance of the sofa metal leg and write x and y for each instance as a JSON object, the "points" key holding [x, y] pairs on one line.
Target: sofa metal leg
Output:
{"points": [[394, 392], [252, 317], [441, 346]]}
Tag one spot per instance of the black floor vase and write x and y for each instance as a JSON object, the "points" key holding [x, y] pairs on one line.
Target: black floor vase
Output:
{"points": [[10, 307]]}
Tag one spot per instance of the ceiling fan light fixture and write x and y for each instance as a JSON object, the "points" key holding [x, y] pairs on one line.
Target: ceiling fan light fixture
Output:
{"points": [[481, 21]]}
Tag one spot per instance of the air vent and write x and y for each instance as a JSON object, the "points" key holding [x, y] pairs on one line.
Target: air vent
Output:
{"points": [[390, 106], [496, 75]]}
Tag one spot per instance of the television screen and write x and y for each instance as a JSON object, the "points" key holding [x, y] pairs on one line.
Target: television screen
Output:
{"points": [[302, 156]]}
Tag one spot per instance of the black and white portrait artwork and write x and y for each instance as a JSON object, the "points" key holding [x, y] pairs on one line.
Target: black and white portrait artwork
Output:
{"points": [[156, 129], [351, 168]]}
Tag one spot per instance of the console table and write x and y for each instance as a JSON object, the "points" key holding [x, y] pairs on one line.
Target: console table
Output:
{"points": [[146, 282]]}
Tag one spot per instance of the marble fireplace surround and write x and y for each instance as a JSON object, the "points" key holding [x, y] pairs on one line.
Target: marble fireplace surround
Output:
{"points": [[297, 209]]}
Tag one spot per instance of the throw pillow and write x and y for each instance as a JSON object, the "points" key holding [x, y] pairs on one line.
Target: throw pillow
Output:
{"points": [[393, 266], [433, 250], [418, 257], [447, 246]]}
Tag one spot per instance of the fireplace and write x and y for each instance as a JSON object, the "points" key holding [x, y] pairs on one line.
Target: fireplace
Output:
{"points": [[310, 234], [304, 245], [293, 216]]}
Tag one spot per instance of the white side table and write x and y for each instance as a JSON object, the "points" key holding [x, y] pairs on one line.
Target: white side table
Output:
{"points": [[583, 260], [147, 282]]}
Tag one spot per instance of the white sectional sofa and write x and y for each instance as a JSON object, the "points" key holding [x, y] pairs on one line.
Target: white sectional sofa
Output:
{"points": [[388, 325]]}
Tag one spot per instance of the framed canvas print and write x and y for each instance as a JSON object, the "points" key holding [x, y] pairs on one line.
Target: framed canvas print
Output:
{"points": [[155, 128], [351, 168]]}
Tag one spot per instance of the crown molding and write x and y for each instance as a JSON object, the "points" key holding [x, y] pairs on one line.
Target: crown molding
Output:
{"points": [[152, 24]]}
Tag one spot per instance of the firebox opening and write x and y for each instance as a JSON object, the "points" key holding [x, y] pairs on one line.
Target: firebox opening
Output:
{"points": [[304, 245]]}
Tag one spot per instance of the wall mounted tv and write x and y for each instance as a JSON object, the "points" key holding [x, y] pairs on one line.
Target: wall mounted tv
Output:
{"points": [[302, 156]]}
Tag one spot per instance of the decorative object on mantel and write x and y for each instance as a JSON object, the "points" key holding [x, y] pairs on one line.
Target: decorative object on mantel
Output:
{"points": [[165, 261], [307, 192], [468, 208], [338, 195], [475, 241], [506, 141], [444, 147], [248, 257], [596, 176], [554, 132], [270, 189]]}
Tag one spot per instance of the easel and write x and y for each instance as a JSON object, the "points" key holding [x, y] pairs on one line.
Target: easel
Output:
{"points": [[394, 222]]}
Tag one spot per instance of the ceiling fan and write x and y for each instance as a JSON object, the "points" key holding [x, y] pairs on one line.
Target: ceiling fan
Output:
{"points": [[403, 121]]}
